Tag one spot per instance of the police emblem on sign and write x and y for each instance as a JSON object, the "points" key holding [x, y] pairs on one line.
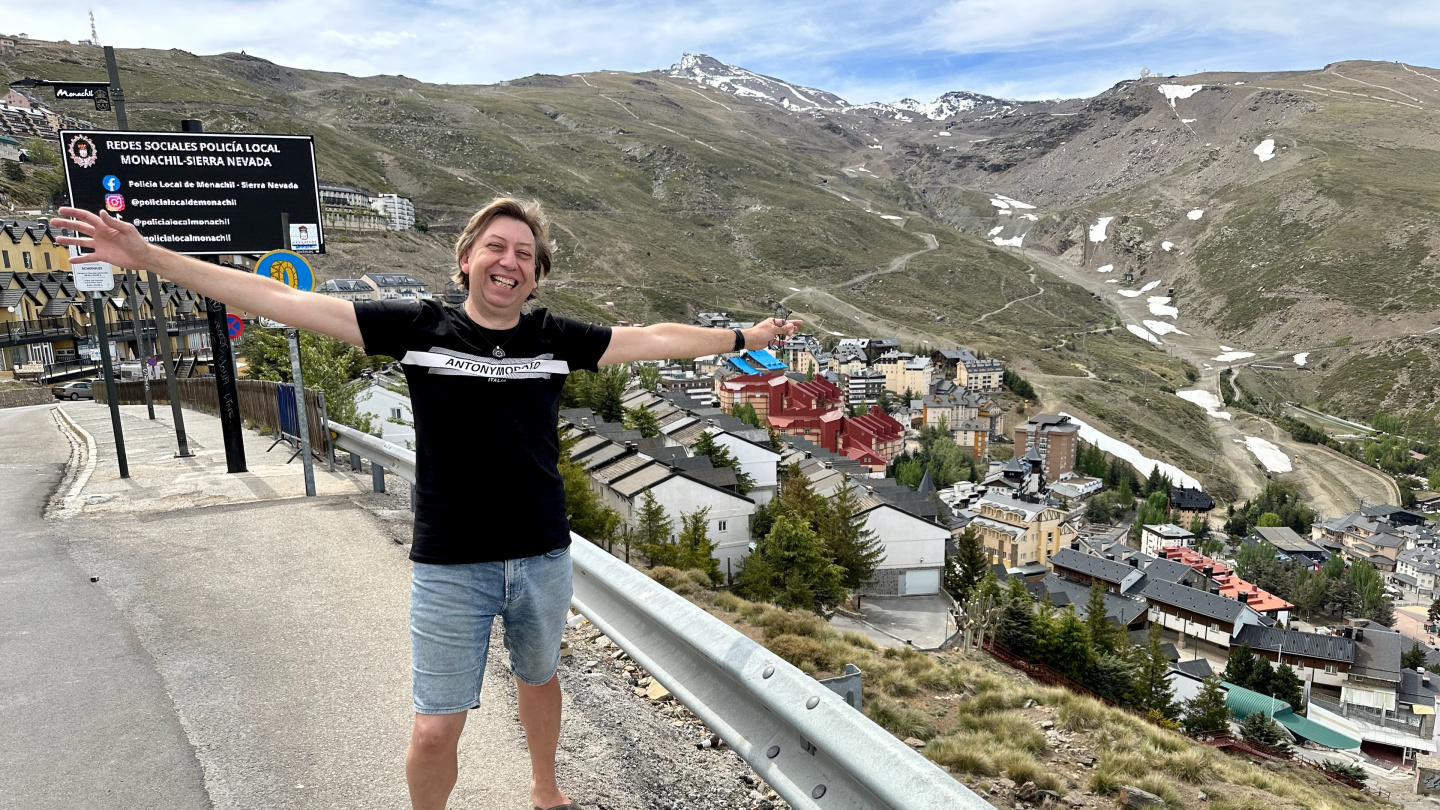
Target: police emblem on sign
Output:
{"points": [[82, 151]]}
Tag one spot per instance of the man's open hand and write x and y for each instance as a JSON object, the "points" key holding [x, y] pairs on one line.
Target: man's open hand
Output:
{"points": [[770, 333], [113, 240]]}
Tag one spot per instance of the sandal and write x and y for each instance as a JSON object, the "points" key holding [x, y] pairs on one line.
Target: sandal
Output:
{"points": [[566, 806]]}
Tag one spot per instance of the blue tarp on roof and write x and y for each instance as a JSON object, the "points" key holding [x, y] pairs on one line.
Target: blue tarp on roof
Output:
{"points": [[764, 359], [742, 366]]}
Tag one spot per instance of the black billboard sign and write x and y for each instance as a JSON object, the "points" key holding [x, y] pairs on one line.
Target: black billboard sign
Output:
{"points": [[198, 193]]}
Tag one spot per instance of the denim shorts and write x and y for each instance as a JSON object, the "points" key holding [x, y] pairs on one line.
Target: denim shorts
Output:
{"points": [[452, 608]]}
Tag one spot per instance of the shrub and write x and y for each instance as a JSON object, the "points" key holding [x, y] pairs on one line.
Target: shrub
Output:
{"points": [[667, 576], [968, 753], [794, 623], [752, 611], [897, 718], [800, 651], [1079, 713], [1106, 782], [1008, 729], [860, 640], [1160, 785], [898, 684], [1022, 768], [701, 579], [1191, 766], [729, 602]]}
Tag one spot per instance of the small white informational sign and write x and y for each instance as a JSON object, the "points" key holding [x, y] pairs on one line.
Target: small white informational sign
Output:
{"points": [[304, 237], [266, 323], [93, 276]]}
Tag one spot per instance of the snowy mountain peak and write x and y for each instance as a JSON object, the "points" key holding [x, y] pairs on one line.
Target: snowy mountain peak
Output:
{"points": [[747, 84]]}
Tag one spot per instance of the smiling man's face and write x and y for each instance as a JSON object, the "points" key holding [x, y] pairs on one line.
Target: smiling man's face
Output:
{"points": [[501, 266]]}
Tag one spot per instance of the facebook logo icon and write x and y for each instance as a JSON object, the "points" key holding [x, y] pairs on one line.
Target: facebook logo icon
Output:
{"points": [[111, 183]]}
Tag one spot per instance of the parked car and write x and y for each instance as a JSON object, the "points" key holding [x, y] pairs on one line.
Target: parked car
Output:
{"points": [[78, 389]]}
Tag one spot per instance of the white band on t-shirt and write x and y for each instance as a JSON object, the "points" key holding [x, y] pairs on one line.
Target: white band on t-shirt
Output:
{"points": [[444, 361]]}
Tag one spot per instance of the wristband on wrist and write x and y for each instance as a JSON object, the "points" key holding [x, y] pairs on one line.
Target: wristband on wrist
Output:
{"points": [[739, 340]]}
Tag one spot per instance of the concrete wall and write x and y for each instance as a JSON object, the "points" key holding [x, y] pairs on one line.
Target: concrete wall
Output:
{"points": [[20, 397], [909, 541]]}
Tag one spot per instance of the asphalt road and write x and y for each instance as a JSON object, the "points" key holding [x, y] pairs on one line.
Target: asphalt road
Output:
{"points": [[85, 720], [234, 656]]}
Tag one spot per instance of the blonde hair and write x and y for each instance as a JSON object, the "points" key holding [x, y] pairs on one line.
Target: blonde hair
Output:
{"points": [[527, 211]]}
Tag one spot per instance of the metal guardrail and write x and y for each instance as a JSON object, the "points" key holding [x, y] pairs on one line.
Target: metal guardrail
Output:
{"points": [[805, 742]]}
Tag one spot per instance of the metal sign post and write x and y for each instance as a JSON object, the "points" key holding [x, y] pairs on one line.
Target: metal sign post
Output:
{"points": [[222, 361], [297, 375], [132, 288], [116, 94], [111, 395], [172, 384]]}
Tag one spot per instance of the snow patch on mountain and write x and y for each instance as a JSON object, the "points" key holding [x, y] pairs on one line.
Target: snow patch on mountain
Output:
{"points": [[1097, 231], [1178, 91], [1196, 214], [1265, 150], [1142, 334]]}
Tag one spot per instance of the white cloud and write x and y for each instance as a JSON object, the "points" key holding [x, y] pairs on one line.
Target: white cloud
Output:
{"points": [[859, 50]]}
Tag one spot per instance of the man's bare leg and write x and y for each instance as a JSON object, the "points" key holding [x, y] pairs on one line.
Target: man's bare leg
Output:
{"points": [[540, 715], [431, 762]]}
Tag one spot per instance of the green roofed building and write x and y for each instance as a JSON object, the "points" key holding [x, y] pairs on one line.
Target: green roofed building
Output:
{"points": [[1244, 702]]}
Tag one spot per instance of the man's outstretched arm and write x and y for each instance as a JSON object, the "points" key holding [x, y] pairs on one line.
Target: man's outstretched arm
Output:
{"points": [[671, 341], [119, 243]]}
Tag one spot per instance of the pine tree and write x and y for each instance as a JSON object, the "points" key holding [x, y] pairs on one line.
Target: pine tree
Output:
{"points": [[1111, 677], [851, 544], [695, 549], [789, 567], [643, 420], [1285, 685], [1262, 677], [1259, 728], [1067, 645], [649, 376], [1103, 633], [652, 532], [1434, 613], [967, 567], [1152, 683], [588, 516], [1016, 630], [1207, 710], [1240, 666], [1413, 657], [798, 497]]}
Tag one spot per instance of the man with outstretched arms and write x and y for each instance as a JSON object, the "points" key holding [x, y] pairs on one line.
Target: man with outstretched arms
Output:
{"points": [[491, 536]]}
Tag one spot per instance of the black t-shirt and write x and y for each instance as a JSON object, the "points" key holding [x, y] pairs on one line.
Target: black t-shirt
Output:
{"points": [[487, 450]]}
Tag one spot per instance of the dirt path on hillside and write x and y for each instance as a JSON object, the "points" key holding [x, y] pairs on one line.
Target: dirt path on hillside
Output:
{"points": [[1331, 482], [822, 301], [1017, 300]]}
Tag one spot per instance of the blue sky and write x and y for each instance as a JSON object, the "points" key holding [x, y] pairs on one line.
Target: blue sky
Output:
{"points": [[859, 49]]}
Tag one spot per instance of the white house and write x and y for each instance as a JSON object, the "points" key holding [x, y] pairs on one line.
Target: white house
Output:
{"points": [[623, 483], [385, 407], [1155, 537], [914, 550], [759, 462]]}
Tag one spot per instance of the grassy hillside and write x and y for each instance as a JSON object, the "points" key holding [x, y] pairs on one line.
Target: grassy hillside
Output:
{"points": [[1332, 238]]}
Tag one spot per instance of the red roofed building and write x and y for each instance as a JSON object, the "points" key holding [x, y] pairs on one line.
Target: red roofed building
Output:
{"points": [[1231, 586], [874, 435]]}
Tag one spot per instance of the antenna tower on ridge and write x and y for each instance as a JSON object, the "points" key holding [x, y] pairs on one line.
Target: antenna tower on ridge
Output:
{"points": [[94, 37]]}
